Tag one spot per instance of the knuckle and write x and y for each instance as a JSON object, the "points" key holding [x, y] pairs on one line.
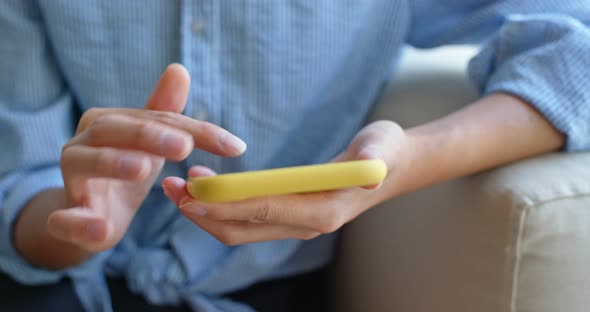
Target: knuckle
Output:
{"points": [[330, 218], [331, 222], [145, 131], [66, 152], [105, 162], [262, 212], [166, 117], [67, 156], [94, 130], [207, 128], [92, 134], [89, 116]]}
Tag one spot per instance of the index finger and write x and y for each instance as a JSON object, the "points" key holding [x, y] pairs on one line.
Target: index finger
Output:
{"points": [[206, 136], [321, 212]]}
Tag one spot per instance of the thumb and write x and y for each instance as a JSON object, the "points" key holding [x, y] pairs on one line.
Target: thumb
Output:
{"points": [[379, 140], [371, 149], [171, 92]]}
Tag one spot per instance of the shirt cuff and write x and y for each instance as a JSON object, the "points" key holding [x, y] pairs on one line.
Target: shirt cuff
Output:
{"points": [[28, 185], [543, 60]]}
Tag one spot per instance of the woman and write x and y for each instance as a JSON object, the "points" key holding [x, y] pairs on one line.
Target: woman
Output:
{"points": [[293, 79]]}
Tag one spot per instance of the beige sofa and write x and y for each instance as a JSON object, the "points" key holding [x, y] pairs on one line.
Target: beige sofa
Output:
{"points": [[516, 238]]}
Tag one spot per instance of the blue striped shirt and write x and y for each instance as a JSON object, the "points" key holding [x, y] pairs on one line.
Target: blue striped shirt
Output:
{"points": [[294, 79]]}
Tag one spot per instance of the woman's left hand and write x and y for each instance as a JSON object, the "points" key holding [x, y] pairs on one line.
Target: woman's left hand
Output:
{"points": [[299, 216]]}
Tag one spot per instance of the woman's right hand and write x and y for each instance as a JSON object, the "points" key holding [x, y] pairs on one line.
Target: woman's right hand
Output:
{"points": [[116, 155]]}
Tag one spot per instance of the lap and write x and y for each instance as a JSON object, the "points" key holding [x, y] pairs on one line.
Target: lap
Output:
{"points": [[23, 298], [306, 292]]}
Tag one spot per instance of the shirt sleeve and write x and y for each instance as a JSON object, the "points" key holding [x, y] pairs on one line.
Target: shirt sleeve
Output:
{"points": [[536, 50], [37, 116]]}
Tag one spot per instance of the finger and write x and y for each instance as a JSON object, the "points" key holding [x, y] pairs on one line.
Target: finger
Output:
{"points": [[206, 136], [125, 132], [80, 226], [340, 157], [104, 162], [171, 92], [200, 171], [175, 188], [236, 232], [320, 212]]}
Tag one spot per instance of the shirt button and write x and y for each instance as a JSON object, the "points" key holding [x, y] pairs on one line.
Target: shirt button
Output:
{"points": [[200, 113], [198, 26]]}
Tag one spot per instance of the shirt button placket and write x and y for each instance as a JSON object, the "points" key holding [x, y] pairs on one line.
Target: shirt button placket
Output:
{"points": [[201, 57], [200, 112], [198, 26], [203, 27]]}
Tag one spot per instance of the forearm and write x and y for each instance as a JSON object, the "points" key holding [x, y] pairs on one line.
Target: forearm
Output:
{"points": [[32, 239], [495, 130]]}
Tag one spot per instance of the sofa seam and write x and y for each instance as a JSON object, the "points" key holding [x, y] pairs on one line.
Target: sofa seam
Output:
{"points": [[518, 257], [528, 204]]}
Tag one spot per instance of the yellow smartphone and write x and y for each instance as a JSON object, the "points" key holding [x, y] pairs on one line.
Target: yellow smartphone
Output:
{"points": [[301, 179]]}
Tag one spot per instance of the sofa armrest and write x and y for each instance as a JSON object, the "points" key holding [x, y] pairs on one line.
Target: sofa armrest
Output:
{"points": [[515, 238]]}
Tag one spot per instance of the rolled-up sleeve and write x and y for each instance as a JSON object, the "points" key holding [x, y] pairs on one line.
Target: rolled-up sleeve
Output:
{"points": [[21, 187], [37, 116], [538, 51]]}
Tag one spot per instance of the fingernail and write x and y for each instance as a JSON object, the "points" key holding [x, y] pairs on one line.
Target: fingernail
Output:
{"points": [[173, 143], [94, 231], [192, 208], [166, 191], [373, 187], [233, 144]]}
